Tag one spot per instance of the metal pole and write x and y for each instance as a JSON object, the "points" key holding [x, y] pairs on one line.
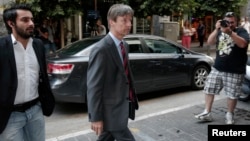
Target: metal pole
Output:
{"points": [[95, 5]]}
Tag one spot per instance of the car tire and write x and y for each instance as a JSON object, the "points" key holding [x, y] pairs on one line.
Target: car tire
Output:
{"points": [[199, 77]]}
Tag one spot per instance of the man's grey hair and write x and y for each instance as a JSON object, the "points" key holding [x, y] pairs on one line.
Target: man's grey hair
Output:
{"points": [[119, 10]]}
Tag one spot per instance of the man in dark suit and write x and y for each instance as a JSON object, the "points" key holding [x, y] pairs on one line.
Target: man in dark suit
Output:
{"points": [[110, 92], [25, 90], [201, 32]]}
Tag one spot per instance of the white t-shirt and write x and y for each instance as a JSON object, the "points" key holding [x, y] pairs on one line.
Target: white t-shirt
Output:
{"points": [[187, 32]]}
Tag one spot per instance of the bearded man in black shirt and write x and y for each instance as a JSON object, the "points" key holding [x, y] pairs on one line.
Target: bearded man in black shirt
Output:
{"points": [[229, 68]]}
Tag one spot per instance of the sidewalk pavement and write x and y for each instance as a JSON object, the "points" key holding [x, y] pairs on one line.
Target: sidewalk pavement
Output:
{"points": [[176, 124], [208, 50]]}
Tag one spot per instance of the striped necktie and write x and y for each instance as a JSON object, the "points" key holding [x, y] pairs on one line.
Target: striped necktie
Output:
{"points": [[125, 65]]}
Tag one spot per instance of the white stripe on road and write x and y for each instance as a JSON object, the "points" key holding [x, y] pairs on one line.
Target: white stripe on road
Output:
{"points": [[63, 137], [164, 112]]}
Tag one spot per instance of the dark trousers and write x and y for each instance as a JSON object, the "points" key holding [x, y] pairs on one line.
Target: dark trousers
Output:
{"points": [[123, 135], [201, 40]]}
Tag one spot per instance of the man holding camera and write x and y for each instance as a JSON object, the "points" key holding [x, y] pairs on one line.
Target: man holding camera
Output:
{"points": [[229, 67]]}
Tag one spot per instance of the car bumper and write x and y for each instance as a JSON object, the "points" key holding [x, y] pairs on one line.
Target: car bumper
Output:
{"points": [[69, 98]]}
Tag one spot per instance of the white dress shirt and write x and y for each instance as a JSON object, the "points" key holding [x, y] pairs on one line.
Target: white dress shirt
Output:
{"points": [[27, 72], [117, 44]]}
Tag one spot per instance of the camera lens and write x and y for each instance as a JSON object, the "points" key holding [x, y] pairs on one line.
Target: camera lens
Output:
{"points": [[224, 23]]}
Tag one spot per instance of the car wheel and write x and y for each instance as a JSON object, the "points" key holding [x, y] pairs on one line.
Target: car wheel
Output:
{"points": [[244, 97], [199, 77]]}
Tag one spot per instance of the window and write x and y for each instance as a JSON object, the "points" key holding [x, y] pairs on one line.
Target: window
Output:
{"points": [[78, 46], [161, 46]]}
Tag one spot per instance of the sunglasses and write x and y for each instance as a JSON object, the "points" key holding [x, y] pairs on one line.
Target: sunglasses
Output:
{"points": [[229, 14]]}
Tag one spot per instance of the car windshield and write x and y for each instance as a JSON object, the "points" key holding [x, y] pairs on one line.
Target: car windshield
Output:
{"points": [[77, 46]]}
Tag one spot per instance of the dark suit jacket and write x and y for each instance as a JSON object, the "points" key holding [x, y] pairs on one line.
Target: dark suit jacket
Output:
{"points": [[8, 80], [107, 86]]}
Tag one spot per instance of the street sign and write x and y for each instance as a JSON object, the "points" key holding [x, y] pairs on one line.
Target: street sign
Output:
{"points": [[164, 19]]}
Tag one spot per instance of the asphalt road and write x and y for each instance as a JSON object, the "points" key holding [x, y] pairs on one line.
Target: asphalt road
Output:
{"points": [[72, 118]]}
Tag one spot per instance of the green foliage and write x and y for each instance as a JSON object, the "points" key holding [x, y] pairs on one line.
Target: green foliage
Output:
{"points": [[199, 7], [55, 9], [123, 1], [162, 7], [62, 9], [219, 7], [58, 9]]}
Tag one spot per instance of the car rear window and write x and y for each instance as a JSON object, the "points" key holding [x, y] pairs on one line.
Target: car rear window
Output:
{"points": [[77, 46]]}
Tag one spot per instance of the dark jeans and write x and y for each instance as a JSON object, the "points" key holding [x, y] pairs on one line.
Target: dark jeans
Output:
{"points": [[53, 47], [201, 40], [47, 49]]}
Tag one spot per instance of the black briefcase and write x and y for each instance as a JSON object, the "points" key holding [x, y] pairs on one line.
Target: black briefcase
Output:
{"points": [[131, 110]]}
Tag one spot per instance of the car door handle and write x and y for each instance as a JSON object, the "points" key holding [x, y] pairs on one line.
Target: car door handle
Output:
{"points": [[179, 56]]}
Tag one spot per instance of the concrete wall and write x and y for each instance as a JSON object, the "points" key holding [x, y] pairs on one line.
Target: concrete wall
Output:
{"points": [[245, 11], [3, 30]]}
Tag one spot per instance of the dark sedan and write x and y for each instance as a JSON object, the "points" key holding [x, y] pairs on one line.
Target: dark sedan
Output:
{"points": [[156, 63]]}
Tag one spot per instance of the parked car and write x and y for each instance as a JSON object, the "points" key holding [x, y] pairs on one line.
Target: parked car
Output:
{"points": [[156, 63]]}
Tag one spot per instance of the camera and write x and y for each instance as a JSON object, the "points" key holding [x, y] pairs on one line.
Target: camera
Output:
{"points": [[224, 23]]}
